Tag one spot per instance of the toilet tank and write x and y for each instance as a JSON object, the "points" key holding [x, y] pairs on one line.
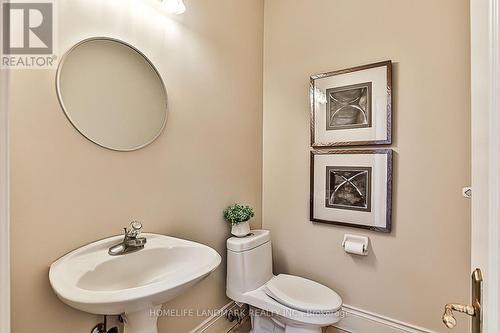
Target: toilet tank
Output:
{"points": [[249, 263]]}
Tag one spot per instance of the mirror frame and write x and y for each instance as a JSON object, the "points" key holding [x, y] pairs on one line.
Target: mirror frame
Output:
{"points": [[64, 108]]}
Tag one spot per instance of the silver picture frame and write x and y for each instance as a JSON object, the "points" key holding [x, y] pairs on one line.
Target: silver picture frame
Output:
{"points": [[352, 188], [352, 107]]}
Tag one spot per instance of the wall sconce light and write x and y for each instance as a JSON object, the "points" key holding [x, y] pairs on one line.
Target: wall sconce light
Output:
{"points": [[174, 6]]}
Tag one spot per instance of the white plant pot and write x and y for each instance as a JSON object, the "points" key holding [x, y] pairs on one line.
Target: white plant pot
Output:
{"points": [[241, 229]]}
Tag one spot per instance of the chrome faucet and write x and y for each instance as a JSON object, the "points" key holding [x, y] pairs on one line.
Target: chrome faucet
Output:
{"points": [[131, 242]]}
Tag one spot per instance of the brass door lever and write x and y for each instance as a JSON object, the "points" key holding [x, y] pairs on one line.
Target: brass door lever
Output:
{"points": [[473, 310], [448, 317]]}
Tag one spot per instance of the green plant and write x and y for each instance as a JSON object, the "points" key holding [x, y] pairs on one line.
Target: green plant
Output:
{"points": [[237, 214]]}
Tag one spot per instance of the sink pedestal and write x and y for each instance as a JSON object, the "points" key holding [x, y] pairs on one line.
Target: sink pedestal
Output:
{"points": [[144, 321]]}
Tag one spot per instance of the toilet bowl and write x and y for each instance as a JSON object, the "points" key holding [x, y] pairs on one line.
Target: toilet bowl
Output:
{"points": [[278, 304]]}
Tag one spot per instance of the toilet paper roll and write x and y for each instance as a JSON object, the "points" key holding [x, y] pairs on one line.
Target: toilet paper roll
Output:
{"points": [[354, 248]]}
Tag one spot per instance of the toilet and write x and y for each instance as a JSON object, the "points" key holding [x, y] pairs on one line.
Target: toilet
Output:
{"points": [[278, 304]]}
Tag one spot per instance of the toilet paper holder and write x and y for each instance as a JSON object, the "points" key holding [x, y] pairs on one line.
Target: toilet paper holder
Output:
{"points": [[356, 240]]}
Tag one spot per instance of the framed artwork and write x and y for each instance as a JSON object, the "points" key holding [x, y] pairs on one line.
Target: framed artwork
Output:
{"points": [[352, 107], [352, 188]]}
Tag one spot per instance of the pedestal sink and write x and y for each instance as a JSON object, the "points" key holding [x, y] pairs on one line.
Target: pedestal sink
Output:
{"points": [[134, 284]]}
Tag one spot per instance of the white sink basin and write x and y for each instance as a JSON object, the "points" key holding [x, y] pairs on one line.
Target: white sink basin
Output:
{"points": [[134, 284]]}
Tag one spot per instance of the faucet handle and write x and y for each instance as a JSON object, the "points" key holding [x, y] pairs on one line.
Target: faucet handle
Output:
{"points": [[134, 229]]}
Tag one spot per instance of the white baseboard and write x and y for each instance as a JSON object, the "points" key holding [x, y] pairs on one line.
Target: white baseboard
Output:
{"points": [[361, 321], [355, 321], [218, 322]]}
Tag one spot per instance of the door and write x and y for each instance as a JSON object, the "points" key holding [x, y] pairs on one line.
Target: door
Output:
{"points": [[485, 103], [484, 307]]}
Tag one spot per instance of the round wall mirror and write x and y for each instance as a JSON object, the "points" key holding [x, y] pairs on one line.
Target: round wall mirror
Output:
{"points": [[112, 94]]}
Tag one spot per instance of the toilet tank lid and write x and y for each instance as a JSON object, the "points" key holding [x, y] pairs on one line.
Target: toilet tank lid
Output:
{"points": [[256, 238]]}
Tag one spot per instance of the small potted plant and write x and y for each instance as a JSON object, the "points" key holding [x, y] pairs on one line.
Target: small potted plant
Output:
{"points": [[239, 216]]}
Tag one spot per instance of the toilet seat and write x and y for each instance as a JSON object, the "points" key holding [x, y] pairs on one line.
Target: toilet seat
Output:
{"points": [[302, 294], [260, 300]]}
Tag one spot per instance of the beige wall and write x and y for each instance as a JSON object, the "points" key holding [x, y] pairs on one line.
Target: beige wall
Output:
{"points": [[4, 198], [424, 263], [67, 191]]}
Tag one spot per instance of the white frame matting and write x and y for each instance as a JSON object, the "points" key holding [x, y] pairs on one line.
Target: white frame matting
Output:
{"points": [[485, 84]]}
